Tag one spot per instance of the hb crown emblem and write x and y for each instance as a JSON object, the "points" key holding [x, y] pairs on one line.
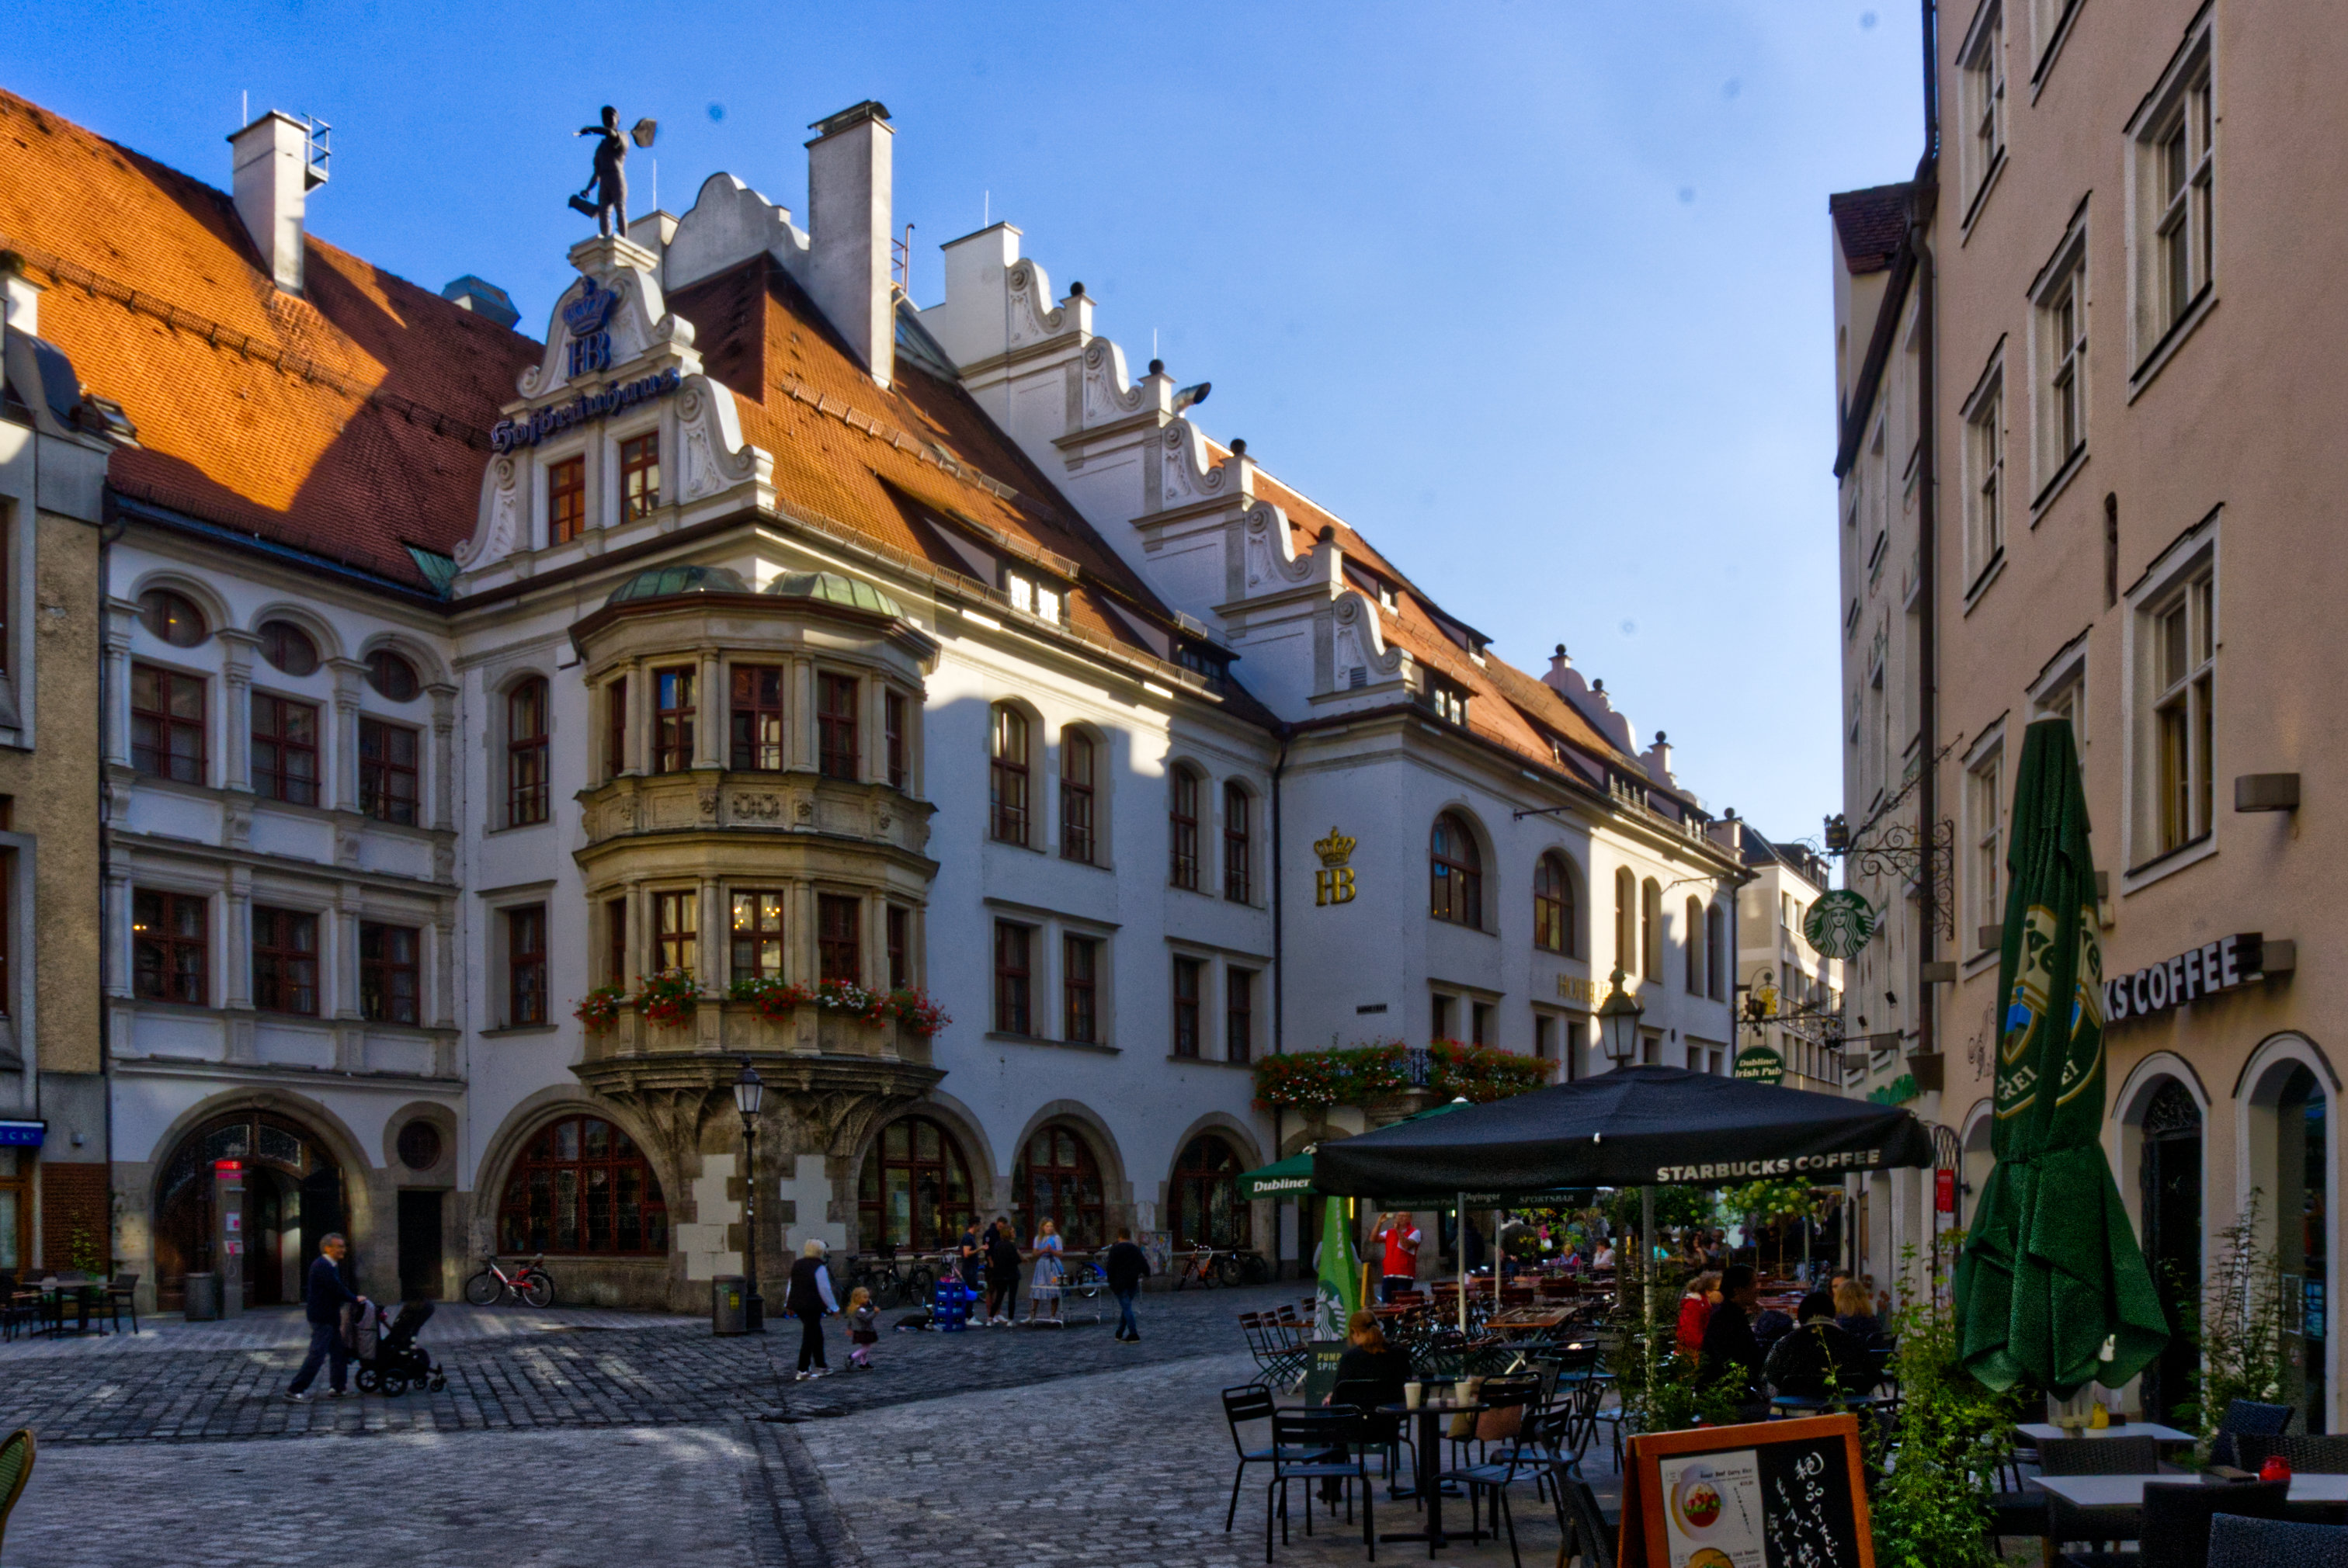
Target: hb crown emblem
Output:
{"points": [[1333, 883], [591, 341]]}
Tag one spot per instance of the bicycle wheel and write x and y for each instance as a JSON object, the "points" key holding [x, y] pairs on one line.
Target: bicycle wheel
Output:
{"points": [[921, 1284], [1254, 1270], [1227, 1270], [538, 1288], [483, 1290]]}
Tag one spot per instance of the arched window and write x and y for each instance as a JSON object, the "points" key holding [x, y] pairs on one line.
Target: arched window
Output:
{"points": [[526, 753], [1079, 826], [1697, 948], [582, 1186], [1204, 1202], [1237, 840], [173, 616], [392, 676], [1008, 775], [1454, 870], [1626, 921], [915, 1191], [1552, 904], [1715, 953], [288, 648], [1059, 1180], [1651, 930], [1182, 828]]}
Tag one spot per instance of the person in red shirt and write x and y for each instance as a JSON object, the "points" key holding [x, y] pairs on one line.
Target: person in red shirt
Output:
{"points": [[1400, 1238], [1695, 1309]]}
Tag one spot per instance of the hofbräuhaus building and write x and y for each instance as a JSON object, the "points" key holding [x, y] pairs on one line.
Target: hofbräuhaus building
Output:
{"points": [[505, 736]]}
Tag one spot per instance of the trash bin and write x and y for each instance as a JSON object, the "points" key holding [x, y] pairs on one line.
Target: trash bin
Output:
{"points": [[729, 1304], [203, 1298]]}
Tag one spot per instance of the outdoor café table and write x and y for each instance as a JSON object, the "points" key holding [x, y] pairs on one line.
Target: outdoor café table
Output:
{"points": [[2128, 1490], [1430, 1466], [2048, 1432], [59, 1297]]}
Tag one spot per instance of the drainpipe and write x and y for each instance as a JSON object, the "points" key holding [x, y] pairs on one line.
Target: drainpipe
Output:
{"points": [[1928, 794], [1279, 987]]}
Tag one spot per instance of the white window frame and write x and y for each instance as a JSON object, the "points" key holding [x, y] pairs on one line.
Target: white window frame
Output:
{"points": [[2060, 305], [2172, 199], [2050, 28], [2060, 692], [1984, 830], [2191, 561], [1981, 106], [1987, 502]]}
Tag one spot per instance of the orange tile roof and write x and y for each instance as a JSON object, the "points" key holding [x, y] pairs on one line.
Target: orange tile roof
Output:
{"points": [[348, 422]]}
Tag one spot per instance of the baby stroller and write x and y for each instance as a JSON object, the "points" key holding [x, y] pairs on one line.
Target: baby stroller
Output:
{"points": [[385, 1347]]}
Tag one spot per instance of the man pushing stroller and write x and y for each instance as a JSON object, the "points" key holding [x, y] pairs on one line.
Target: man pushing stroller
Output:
{"points": [[325, 1295]]}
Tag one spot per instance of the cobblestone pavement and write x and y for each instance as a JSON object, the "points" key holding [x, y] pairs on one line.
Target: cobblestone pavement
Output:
{"points": [[281, 1329], [1132, 1468]]}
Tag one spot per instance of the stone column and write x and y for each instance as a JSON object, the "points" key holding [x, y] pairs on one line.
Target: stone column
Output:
{"points": [[709, 722], [800, 939], [871, 743], [341, 786], [441, 811], [116, 721], [234, 735], [639, 714], [798, 719]]}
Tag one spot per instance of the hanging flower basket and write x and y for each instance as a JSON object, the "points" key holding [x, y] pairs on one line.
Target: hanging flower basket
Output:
{"points": [[917, 1015], [1446, 1069], [667, 998], [600, 1009], [775, 999]]}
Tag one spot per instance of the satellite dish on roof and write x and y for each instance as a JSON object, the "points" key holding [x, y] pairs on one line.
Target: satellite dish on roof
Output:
{"points": [[643, 132]]}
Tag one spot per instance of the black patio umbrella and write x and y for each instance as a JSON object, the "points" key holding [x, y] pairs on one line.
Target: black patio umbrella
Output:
{"points": [[1635, 1126]]}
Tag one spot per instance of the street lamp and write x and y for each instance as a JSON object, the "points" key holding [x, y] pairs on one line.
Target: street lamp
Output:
{"points": [[1618, 1021], [749, 1092]]}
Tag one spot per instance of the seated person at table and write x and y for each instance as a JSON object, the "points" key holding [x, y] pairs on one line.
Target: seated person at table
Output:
{"points": [[1695, 1309], [1769, 1325], [1732, 1357], [1604, 1258], [1820, 1359], [1368, 1359], [1854, 1312]]}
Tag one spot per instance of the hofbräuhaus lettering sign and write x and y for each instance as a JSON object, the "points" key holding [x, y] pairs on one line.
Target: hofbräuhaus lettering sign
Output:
{"points": [[542, 423], [2220, 966]]}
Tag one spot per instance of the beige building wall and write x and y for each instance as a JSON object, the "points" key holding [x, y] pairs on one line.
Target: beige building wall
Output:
{"points": [[2172, 301]]}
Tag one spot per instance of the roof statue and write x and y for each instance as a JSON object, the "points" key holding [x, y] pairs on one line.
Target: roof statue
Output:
{"points": [[610, 180]]}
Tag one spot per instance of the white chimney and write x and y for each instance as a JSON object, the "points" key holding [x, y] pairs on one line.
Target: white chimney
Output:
{"points": [[849, 222], [20, 297], [274, 176]]}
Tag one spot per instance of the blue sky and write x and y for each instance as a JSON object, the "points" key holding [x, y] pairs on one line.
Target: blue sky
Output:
{"points": [[1534, 296]]}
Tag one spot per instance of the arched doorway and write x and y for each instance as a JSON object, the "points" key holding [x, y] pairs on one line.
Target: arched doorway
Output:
{"points": [[914, 1194], [1059, 1180], [2302, 1148], [292, 1196], [2168, 1175], [1203, 1205]]}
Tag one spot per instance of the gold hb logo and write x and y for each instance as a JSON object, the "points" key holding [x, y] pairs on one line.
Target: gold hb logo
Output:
{"points": [[1333, 883]]}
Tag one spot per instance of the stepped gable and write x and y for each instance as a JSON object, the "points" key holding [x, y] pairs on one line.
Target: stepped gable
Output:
{"points": [[348, 424], [872, 457]]}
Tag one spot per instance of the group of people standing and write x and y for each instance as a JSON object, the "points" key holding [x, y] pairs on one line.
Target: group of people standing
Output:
{"points": [[993, 1260]]}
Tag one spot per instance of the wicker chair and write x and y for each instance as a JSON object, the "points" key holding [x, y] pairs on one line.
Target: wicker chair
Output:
{"points": [[2176, 1520], [2239, 1542], [16, 1453], [2095, 1456], [2248, 1419]]}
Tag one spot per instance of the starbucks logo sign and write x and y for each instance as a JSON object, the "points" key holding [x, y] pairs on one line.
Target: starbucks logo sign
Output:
{"points": [[1839, 924]]}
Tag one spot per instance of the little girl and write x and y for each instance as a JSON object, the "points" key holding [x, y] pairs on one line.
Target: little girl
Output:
{"points": [[864, 1331]]}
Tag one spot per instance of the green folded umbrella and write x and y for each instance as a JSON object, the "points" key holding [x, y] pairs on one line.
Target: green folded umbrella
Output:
{"points": [[1337, 1295], [2051, 1270]]}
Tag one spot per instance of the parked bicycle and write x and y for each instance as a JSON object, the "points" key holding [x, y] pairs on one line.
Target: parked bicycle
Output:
{"points": [[1086, 1279], [1205, 1266], [528, 1282], [891, 1282]]}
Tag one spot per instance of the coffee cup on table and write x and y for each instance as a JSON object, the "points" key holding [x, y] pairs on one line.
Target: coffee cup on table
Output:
{"points": [[1412, 1393]]}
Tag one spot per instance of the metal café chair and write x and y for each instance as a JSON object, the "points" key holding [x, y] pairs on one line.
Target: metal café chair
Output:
{"points": [[1524, 1458], [1325, 1447], [1247, 1403]]}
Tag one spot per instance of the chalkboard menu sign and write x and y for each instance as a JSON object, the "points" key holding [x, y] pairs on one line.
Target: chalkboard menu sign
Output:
{"points": [[1775, 1494]]}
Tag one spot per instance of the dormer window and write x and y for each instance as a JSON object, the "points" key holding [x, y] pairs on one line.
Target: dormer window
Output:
{"points": [[640, 475], [1449, 700], [1203, 662], [1033, 595]]}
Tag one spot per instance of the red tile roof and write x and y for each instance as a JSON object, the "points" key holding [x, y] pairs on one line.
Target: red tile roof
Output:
{"points": [[348, 422], [1869, 224]]}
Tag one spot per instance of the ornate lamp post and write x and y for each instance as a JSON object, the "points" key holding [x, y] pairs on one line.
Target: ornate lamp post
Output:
{"points": [[1618, 1021], [749, 1092]]}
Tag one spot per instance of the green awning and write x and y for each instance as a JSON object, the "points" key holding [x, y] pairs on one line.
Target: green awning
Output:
{"points": [[1289, 1178]]}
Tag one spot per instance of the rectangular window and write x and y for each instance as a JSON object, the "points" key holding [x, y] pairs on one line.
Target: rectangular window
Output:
{"points": [[676, 931], [1479, 1020], [1013, 971], [900, 923], [526, 966], [1076, 796], [615, 941], [1237, 843], [284, 961], [1239, 1014], [640, 475], [389, 975], [892, 736], [839, 937], [1441, 1018], [1182, 829], [2176, 188], [758, 935], [526, 754], [1984, 785], [1190, 981], [1983, 62], [672, 715], [2060, 346], [1544, 1038], [615, 728], [167, 724], [171, 942], [388, 775], [755, 714], [2184, 652], [1008, 775], [1985, 456], [1081, 990], [836, 697], [566, 499], [284, 750]]}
